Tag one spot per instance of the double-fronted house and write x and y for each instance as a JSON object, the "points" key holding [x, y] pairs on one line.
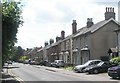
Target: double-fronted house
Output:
{"points": [[94, 40]]}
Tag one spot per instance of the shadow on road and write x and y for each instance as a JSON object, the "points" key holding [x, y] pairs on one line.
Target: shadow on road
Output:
{"points": [[8, 79], [115, 78], [10, 67]]}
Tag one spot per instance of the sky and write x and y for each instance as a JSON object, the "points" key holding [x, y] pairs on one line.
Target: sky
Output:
{"points": [[45, 19]]}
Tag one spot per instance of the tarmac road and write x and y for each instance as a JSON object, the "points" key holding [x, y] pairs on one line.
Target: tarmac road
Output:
{"points": [[32, 73]]}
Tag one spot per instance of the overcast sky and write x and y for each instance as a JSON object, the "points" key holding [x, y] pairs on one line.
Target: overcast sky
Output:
{"points": [[44, 19]]}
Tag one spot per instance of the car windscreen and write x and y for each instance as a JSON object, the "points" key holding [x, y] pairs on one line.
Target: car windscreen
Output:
{"points": [[87, 63], [100, 64]]}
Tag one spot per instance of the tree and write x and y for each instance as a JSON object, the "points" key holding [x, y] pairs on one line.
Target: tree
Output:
{"points": [[13, 53], [19, 52], [16, 53], [11, 20]]}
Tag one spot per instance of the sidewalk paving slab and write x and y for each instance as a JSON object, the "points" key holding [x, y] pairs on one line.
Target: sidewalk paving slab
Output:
{"points": [[6, 78]]}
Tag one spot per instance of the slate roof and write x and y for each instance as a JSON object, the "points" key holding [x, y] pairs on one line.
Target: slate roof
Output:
{"points": [[56, 43], [48, 46], [84, 30], [95, 27]]}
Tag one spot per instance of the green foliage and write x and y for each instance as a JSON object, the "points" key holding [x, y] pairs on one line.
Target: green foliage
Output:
{"points": [[20, 51], [11, 19], [23, 58], [70, 68], [13, 53], [115, 61]]}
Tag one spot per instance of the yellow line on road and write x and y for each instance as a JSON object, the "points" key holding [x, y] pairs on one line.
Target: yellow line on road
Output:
{"points": [[15, 77]]}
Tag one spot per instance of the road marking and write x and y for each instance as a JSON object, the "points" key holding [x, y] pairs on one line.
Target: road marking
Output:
{"points": [[15, 77]]}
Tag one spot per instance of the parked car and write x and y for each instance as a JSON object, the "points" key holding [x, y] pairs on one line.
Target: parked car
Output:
{"points": [[9, 62], [44, 63], [26, 62], [99, 68], [114, 72], [32, 62], [58, 63], [80, 68]]}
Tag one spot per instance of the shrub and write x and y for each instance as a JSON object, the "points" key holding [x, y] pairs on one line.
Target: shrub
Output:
{"points": [[115, 61]]}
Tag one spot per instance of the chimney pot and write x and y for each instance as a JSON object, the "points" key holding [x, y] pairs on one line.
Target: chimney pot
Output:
{"points": [[113, 9], [106, 9], [74, 21]]}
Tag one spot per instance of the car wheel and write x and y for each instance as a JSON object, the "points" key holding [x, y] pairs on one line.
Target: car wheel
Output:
{"points": [[95, 71], [75, 71], [119, 77], [114, 77], [89, 72]]}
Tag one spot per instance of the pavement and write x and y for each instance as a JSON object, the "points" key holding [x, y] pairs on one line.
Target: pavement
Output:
{"points": [[7, 77]]}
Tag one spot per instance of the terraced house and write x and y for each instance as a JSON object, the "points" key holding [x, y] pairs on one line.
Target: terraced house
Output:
{"points": [[93, 41]]}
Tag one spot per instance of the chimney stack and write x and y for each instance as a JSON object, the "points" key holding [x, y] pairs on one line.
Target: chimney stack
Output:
{"points": [[58, 38], [109, 13], [74, 27], [62, 34], [89, 22], [51, 41], [46, 43]]}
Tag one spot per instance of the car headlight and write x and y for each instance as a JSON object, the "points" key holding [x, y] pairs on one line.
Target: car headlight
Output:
{"points": [[76, 68]]}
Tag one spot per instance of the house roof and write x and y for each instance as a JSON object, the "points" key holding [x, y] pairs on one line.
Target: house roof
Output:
{"points": [[68, 37], [39, 50], [34, 50], [113, 49], [94, 27], [47, 47], [53, 44], [56, 43]]}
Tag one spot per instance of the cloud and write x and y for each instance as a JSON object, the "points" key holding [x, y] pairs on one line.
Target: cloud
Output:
{"points": [[44, 19], [107, 3]]}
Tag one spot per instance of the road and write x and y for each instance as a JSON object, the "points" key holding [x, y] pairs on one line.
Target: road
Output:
{"points": [[28, 72]]}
